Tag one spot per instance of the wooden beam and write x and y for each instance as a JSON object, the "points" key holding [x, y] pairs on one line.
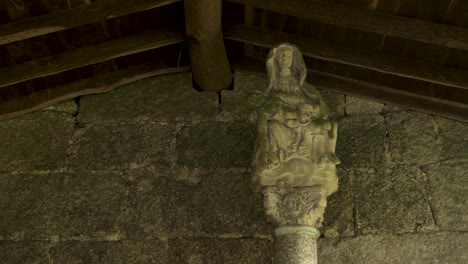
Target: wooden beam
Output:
{"points": [[99, 84], [380, 62], [367, 20], [210, 66], [74, 17], [338, 84], [421, 103], [89, 55], [15, 9]]}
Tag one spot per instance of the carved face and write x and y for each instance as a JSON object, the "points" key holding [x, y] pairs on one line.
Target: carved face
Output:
{"points": [[305, 116], [283, 62], [292, 123], [308, 112], [285, 58]]}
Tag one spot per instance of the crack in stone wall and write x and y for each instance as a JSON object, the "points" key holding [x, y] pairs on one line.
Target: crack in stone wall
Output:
{"points": [[388, 142], [426, 187]]}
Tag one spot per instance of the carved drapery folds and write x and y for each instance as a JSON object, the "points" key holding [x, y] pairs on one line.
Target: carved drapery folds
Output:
{"points": [[295, 157]]}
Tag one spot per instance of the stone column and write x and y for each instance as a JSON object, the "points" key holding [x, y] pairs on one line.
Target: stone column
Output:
{"points": [[297, 247], [295, 159], [296, 212]]}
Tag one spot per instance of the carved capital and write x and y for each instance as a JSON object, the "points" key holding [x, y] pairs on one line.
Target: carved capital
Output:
{"points": [[295, 206]]}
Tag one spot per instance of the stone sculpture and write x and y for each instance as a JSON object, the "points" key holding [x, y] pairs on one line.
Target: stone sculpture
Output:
{"points": [[295, 157]]}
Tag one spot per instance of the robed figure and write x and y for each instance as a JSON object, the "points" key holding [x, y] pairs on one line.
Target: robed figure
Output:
{"points": [[296, 141]]}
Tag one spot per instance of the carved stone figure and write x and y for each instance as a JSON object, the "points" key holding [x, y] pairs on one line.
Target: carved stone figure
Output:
{"points": [[295, 156], [296, 141]]}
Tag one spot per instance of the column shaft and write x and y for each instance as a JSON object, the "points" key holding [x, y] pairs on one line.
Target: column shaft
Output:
{"points": [[300, 248]]}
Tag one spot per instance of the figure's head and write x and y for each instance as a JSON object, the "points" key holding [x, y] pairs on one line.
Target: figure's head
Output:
{"points": [[307, 112], [290, 119], [284, 56]]}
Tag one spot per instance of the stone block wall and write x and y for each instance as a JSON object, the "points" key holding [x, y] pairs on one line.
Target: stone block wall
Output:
{"points": [[156, 172]]}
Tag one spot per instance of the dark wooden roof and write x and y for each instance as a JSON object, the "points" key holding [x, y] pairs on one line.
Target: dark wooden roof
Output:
{"points": [[411, 53]]}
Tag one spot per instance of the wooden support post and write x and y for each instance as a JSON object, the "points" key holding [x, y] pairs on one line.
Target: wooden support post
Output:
{"points": [[208, 58]]}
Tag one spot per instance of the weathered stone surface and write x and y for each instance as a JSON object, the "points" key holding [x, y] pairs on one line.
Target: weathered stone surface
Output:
{"points": [[215, 251], [357, 106], [69, 106], [36, 141], [166, 97], [454, 138], [110, 252], [29, 204], [339, 213], [221, 204], [24, 252], [412, 138], [391, 108], [41, 205], [335, 103], [208, 196], [410, 248], [216, 144], [237, 104], [91, 204], [392, 201], [361, 141], [448, 191], [111, 147]]}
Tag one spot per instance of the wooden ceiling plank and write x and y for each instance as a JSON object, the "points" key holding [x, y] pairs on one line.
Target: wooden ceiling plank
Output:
{"points": [[388, 6], [433, 10], [426, 104], [16, 9], [369, 4], [74, 17], [399, 66], [88, 55], [99, 84], [456, 13], [249, 19], [370, 91], [367, 20]]}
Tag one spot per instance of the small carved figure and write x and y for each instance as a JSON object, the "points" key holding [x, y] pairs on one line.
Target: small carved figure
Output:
{"points": [[306, 113]]}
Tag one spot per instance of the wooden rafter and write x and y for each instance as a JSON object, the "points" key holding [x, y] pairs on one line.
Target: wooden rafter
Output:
{"points": [[380, 62], [89, 55], [74, 17], [371, 91], [384, 94], [367, 20], [99, 84]]}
